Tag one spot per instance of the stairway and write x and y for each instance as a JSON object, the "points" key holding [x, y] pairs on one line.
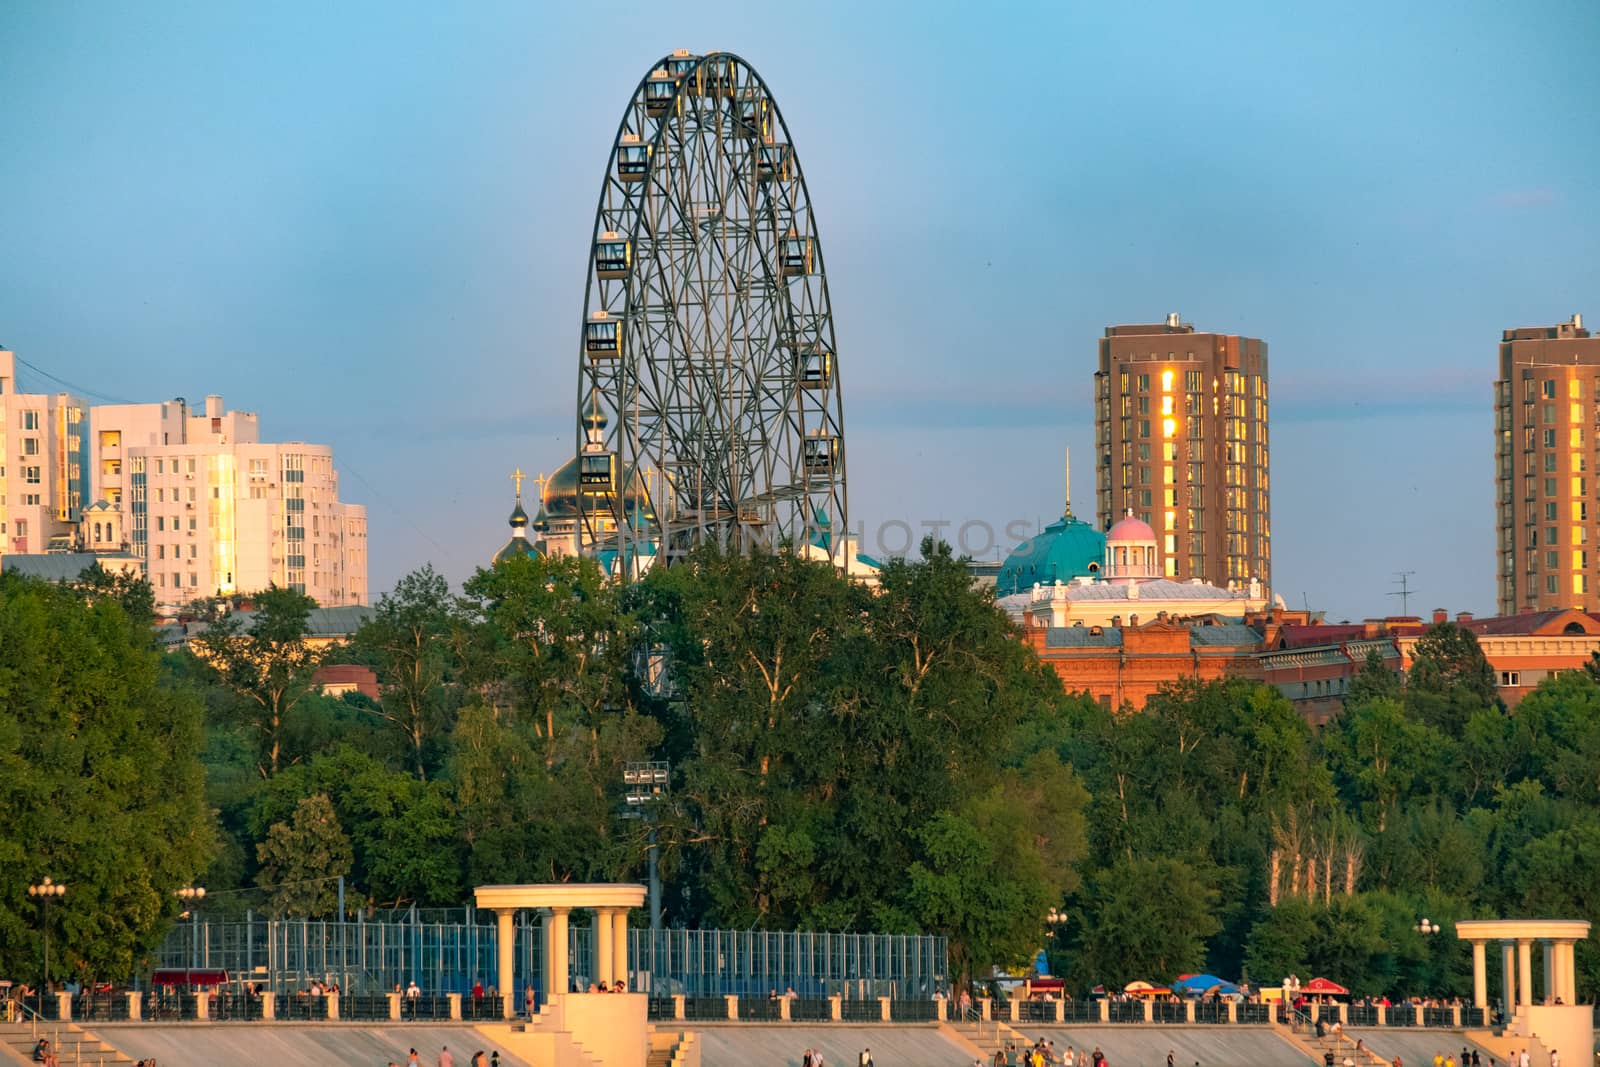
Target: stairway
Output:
{"points": [[73, 1046], [986, 1038]]}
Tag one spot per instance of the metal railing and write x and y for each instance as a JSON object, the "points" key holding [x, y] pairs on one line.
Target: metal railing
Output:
{"points": [[760, 1009], [1080, 1011], [1125, 1011], [1210, 1011], [1165, 1011], [914, 1011], [1036, 1011], [1400, 1015], [1362, 1015], [810, 1010], [1254, 1014]]}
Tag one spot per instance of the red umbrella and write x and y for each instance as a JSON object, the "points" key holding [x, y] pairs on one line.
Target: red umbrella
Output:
{"points": [[1323, 986]]}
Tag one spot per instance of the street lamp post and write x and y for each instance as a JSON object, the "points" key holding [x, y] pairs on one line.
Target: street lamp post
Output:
{"points": [[192, 895], [47, 891], [647, 783], [1427, 928]]}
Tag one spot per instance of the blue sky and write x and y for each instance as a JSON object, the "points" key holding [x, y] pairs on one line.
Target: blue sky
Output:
{"points": [[370, 223]]}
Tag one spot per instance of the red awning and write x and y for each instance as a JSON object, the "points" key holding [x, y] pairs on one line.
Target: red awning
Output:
{"points": [[1322, 985], [200, 976]]}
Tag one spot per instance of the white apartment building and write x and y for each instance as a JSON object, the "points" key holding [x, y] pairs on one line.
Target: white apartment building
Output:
{"points": [[43, 464], [220, 512], [196, 495]]}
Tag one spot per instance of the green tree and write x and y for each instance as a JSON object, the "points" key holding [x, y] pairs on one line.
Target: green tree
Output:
{"points": [[267, 665], [414, 643], [1449, 679], [1146, 919], [302, 860], [100, 782]]}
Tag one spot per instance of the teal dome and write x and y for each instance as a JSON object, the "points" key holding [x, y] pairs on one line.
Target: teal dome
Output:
{"points": [[1066, 549]]}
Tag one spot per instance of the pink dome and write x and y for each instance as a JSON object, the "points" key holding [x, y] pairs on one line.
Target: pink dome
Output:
{"points": [[1130, 529]]}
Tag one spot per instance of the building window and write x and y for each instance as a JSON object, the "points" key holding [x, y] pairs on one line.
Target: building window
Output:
{"points": [[1144, 383], [1548, 389], [1510, 679], [1549, 439], [1549, 487], [1551, 585]]}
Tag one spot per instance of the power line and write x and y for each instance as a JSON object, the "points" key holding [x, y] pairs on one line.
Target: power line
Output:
{"points": [[70, 386]]}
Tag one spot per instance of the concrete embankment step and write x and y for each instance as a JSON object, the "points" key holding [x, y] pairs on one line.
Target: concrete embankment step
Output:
{"points": [[72, 1045]]}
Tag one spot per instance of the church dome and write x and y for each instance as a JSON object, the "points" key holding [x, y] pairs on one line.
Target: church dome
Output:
{"points": [[561, 493], [1066, 549], [1129, 528]]}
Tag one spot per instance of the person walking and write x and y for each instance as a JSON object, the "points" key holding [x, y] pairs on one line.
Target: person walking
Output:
{"points": [[445, 1059], [865, 1059], [1555, 1059]]}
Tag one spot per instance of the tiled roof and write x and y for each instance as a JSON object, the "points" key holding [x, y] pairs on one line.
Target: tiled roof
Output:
{"points": [[324, 622], [1230, 635], [1082, 637], [58, 566]]}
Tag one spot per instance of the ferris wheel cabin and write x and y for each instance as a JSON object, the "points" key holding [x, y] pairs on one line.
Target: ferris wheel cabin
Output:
{"points": [[773, 162], [602, 338], [633, 158], [813, 366], [795, 252], [752, 112], [658, 93], [612, 255], [717, 77], [682, 65], [597, 472], [818, 456]]}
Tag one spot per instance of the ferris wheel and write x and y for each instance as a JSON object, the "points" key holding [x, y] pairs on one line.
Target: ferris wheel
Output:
{"points": [[708, 384]]}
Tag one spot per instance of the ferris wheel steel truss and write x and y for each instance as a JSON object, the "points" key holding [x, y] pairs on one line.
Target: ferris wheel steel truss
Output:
{"points": [[708, 341]]}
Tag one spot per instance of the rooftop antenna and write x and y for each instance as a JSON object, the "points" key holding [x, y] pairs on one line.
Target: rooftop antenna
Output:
{"points": [[1404, 592]]}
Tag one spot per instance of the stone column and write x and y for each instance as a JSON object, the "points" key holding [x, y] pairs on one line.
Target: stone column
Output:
{"points": [[557, 981], [1549, 971], [1566, 976], [1480, 976], [1508, 978], [505, 931], [602, 947], [1524, 972], [619, 946]]}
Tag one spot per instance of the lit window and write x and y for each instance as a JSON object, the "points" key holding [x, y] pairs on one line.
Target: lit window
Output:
{"points": [[1574, 389], [1166, 405], [1168, 427], [1166, 381]]}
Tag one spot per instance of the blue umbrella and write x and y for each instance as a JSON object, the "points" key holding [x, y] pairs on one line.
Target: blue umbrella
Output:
{"points": [[1194, 985]]}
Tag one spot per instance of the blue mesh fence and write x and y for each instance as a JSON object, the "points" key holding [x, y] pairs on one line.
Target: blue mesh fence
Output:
{"points": [[445, 955]]}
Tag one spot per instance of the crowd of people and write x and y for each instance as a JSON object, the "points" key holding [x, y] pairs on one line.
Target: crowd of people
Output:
{"points": [[447, 1058], [1043, 1053]]}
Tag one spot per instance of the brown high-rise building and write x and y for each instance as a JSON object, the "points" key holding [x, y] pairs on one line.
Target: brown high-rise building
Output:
{"points": [[1547, 429], [1181, 424]]}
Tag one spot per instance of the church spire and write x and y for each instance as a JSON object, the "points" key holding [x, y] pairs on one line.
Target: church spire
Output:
{"points": [[1067, 459]]}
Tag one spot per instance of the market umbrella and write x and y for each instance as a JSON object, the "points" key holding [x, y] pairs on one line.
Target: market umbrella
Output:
{"points": [[1195, 985], [1323, 986]]}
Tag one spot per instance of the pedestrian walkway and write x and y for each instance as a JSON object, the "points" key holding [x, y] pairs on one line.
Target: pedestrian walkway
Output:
{"points": [[288, 1045]]}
